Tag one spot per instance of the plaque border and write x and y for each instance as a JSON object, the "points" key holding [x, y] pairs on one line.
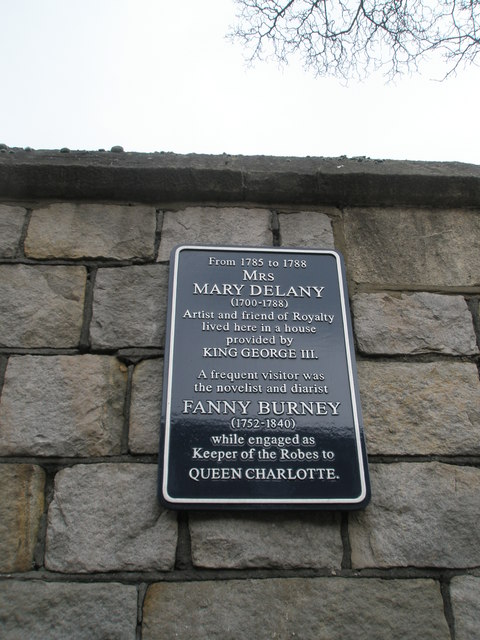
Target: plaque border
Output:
{"points": [[166, 412]]}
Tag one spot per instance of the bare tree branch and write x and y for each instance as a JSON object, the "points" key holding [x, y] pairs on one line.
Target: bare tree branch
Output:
{"points": [[352, 38]]}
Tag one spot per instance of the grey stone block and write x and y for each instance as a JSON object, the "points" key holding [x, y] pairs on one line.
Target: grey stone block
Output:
{"points": [[215, 226], [146, 407], [71, 230], [105, 517], [21, 507], [273, 540], [129, 307], [41, 306], [421, 515], [307, 229], [465, 598], [389, 323], [413, 247], [57, 611], [420, 408], [327, 608], [62, 406], [11, 224]]}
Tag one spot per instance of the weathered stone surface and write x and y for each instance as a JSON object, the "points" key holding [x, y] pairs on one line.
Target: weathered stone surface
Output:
{"points": [[155, 177], [21, 507], [409, 323], [327, 608], [62, 406], [71, 230], [57, 611], [215, 226], [306, 229], [273, 540], [474, 306], [420, 408], [42, 306], [105, 517], [11, 225], [421, 515], [146, 407], [413, 247], [129, 307], [465, 598]]}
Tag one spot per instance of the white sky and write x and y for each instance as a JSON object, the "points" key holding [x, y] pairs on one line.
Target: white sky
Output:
{"points": [[158, 75]]}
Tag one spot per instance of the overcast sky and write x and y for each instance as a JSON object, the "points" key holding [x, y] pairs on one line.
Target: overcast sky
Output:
{"points": [[158, 75]]}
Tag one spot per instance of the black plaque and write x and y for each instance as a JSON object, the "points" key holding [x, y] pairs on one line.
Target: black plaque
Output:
{"points": [[260, 404]]}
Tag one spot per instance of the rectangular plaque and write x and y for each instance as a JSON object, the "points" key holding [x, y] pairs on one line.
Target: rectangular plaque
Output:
{"points": [[260, 403]]}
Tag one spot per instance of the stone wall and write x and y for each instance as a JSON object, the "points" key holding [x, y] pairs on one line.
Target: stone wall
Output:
{"points": [[85, 550]]}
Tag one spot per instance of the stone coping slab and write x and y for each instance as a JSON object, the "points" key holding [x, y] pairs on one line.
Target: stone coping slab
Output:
{"points": [[146, 177]]}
